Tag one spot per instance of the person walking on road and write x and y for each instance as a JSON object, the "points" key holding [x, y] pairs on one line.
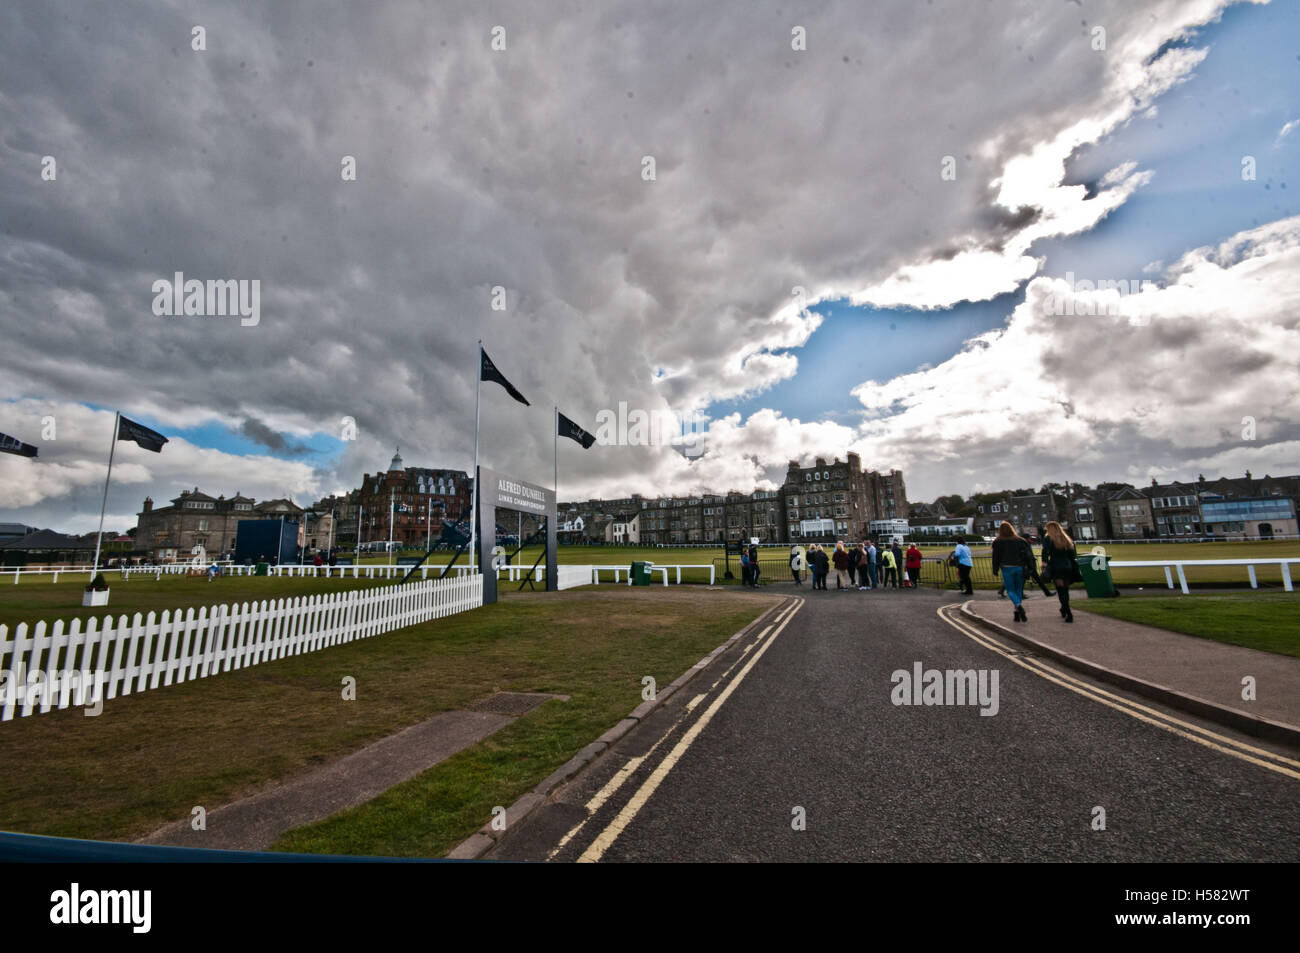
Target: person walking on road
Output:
{"points": [[1059, 564], [754, 571], [841, 559], [1010, 554], [897, 550], [795, 562], [855, 556], [913, 560], [961, 558]]}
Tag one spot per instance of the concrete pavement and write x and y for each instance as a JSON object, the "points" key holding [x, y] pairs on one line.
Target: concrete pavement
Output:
{"points": [[1198, 675]]}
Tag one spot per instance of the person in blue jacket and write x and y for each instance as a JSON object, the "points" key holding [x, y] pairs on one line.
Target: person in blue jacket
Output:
{"points": [[961, 553]]}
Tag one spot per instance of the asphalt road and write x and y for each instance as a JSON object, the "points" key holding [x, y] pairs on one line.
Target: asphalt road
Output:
{"points": [[801, 717]]}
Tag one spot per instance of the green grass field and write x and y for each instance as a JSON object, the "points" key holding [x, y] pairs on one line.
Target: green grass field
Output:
{"points": [[31, 601], [150, 757], [36, 597], [1269, 621]]}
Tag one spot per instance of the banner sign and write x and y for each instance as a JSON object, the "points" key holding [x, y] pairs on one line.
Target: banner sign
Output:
{"points": [[497, 490]]}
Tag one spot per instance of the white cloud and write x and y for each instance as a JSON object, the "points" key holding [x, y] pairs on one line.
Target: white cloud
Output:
{"points": [[63, 487], [776, 168]]}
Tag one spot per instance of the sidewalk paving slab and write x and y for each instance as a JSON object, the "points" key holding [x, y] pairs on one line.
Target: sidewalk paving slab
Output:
{"points": [[255, 822], [1199, 675]]}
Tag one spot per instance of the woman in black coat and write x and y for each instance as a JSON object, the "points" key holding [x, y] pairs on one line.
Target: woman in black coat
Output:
{"points": [[1059, 564]]}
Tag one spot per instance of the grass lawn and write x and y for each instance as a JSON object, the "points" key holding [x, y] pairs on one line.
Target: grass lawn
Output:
{"points": [[623, 555], [1269, 621], [31, 601], [150, 758]]}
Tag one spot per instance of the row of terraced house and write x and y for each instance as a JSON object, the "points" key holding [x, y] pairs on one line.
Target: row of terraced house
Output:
{"points": [[1226, 508], [823, 501]]}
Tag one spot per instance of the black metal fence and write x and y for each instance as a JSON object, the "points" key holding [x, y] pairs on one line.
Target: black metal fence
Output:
{"points": [[935, 571]]}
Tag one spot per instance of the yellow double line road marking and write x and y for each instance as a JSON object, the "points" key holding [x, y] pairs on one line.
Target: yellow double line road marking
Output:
{"points": [[606, 838], [1202, 736]]}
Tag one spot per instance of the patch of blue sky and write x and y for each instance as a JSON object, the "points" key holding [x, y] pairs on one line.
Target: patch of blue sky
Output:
{"points": [[1235, 105]]}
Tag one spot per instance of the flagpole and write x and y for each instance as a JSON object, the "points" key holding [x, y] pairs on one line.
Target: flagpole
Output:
{"points": [[555, 434], [361, 515], [390, 526], [473, 501], [104, 505]]}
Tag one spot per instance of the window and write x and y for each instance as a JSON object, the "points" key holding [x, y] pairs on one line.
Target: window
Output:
{"points": [[203, 526]]}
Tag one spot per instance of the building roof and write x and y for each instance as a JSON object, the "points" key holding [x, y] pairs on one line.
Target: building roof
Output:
{"points": [[48, 539]]}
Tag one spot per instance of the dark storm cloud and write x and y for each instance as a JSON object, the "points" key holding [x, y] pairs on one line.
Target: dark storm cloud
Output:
{"points": [[477, 169]]}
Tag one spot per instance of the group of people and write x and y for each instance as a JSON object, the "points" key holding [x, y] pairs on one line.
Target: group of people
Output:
{"points": [[1013, 557], [862, 566]]}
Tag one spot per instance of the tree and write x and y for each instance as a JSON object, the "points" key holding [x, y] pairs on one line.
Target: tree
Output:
{"points": [[951, 503]]}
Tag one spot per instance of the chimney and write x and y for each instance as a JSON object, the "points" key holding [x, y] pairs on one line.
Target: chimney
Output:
{"points": [[148, 505]]}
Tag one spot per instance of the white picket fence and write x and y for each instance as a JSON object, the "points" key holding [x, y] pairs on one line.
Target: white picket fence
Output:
{"points": [[57, 666]]}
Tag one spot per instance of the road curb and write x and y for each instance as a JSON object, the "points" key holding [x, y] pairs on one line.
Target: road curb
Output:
{"points": [[485, 838], [1192, 704]]}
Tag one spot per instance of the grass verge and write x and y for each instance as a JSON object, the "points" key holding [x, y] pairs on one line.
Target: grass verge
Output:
{"points": [[150, 758], [1269, 621]]}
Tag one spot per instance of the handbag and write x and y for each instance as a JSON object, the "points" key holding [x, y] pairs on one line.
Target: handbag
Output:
{"points": [[1027, 559]]}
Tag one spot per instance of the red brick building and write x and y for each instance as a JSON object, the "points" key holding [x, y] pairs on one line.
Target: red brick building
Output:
{"points": [[418, 499]]}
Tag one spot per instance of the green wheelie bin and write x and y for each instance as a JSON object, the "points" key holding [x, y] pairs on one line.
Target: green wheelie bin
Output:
{"points": [[640, 572], [1097, 581]]}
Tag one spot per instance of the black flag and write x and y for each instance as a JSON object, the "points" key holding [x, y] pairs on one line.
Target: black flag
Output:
{"points": [[571, 430], [488, 372], [13, 445], [142, 435]]}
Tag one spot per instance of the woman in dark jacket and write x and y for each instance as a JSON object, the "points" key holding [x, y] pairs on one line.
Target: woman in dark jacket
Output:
{"points": [[1010, 554], [823, 566], [1059, 564]]}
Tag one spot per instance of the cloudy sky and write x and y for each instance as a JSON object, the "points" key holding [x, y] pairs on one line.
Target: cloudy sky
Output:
{"points": [[822, 226]]}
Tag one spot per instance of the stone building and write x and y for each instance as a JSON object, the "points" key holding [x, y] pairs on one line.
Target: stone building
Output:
{"points": [[818, 502], [193, 519], [838, 499], [1130, 514]]}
